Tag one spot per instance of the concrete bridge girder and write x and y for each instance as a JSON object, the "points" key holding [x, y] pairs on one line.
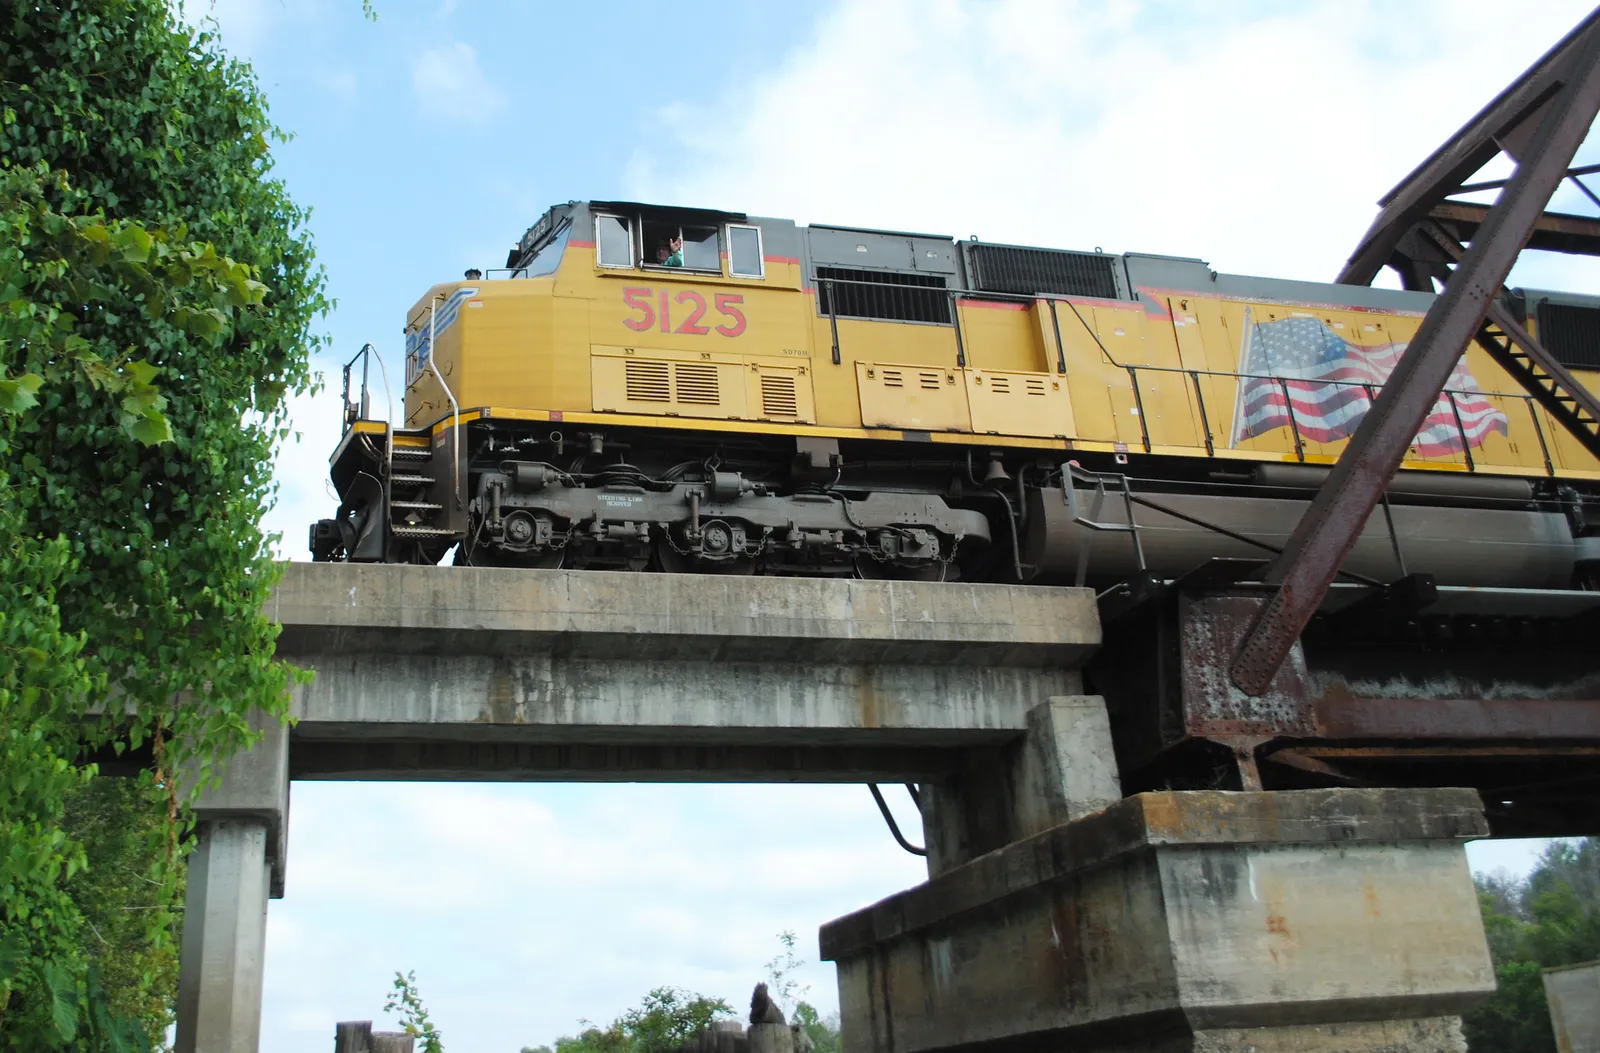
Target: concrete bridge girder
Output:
{"points": [[972, 691]]}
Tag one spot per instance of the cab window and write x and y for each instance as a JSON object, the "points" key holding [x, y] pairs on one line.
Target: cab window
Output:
{"points": [[744, 251], [669, 244], [613, 239], [547, 259]]}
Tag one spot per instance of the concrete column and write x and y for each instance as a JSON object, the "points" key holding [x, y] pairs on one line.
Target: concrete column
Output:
{"points": [[1573, 993], [1314, 921], [1062, 768], [224, 939], [1066, 768], [237, 864]]}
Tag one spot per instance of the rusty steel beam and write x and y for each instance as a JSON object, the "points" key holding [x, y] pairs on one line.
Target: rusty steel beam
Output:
{"points": [[1554, 232], [1497, 126], [1581, 396], [1557, 390], [1432, 752], [1503, 720], [1339, 512]]}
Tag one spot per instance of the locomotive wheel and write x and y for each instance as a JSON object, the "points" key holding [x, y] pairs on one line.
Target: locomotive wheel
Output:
{"points": [[672, 561]]}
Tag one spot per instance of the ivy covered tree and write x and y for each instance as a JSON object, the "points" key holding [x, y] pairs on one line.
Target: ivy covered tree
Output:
{"points": [[157, 291]]}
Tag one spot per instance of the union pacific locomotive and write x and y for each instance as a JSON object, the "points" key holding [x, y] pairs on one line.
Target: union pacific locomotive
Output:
{"points": [[675, 389]]}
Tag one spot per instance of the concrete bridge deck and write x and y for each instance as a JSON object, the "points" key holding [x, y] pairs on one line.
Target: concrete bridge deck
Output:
{"points": [[478, 673], [1057, 912]]}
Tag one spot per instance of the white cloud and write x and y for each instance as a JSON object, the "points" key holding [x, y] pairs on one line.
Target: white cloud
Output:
{"points": [[1259, 143], [448, 83], [524, 909]]}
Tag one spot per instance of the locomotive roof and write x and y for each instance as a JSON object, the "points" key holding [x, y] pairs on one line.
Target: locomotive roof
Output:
{"points": [[1137, 269]]}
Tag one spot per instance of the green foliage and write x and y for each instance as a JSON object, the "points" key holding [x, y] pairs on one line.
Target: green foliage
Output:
{"points": [[1551, 919], [782, 988], [667, 1017], [121, 823], [407, 1001], [156, 296], [664, 1019], [824, 1031]]}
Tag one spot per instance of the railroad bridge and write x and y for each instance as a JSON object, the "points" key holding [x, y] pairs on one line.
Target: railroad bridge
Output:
{"points": [[1198, 814], [1056, 907]]}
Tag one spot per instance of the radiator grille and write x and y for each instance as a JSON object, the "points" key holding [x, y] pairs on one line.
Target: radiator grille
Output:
{"points": [[697, 385], [647, 382], [1571, 334], [778, 397], [881, 294], [1004, 269]]}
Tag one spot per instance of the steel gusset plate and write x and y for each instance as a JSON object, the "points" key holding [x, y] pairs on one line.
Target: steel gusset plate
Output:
{"points": [[1210, 628]]}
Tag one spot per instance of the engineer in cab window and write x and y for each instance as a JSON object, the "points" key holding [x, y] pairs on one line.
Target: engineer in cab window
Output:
{"points": [[670, 252]]}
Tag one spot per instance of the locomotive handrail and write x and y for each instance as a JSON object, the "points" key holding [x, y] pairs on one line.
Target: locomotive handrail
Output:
{"points": [[829, 300], [363, 406], [360, 410], [1061, 349], [455, 428], [1450, 394], [1073, 473], [833, 318], [955, 323]]}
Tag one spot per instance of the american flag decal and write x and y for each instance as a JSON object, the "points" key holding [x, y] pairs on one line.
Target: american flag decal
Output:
{"points": [[1326, 380]]}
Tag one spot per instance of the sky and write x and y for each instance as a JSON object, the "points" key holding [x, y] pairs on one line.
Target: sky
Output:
{"points": [[1256, 135]]}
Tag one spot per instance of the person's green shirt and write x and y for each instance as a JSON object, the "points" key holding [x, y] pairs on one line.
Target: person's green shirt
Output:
{"points": [[675, 260]]}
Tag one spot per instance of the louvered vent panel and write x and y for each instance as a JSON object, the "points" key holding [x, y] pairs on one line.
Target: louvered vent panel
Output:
{"points": [[1006, 269], [697, 385], [893, 378], [890, 295], [1036, 386], [930, 381], [1000, 385], [647, 382], [778, 396], [1571, 333]]}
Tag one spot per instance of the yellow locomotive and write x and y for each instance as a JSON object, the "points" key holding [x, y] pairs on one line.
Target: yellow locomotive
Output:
{"points": [[646, 387]]}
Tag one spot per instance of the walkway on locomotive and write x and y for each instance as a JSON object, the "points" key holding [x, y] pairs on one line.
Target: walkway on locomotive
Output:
{"points": [[853, 333]]}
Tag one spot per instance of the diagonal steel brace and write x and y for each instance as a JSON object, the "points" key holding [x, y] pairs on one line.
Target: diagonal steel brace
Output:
{"points": [[1329, 529]]}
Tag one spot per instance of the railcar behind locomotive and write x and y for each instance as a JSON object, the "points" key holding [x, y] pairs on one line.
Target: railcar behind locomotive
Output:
{"points": [[654, 388]]}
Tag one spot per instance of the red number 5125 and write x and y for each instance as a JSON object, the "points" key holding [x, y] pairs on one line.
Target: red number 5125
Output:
{"points": [[653, 307]]}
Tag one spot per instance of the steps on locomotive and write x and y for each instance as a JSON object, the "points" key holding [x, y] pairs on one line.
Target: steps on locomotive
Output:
{"points": [[413, 512]]}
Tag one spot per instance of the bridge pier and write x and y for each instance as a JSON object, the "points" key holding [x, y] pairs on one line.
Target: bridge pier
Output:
{"points": [[236, 865], [1311, 921], [1060, 768]]}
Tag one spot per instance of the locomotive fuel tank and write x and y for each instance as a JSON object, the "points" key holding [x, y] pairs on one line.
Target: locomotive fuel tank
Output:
{"points": [[1487, 544]]}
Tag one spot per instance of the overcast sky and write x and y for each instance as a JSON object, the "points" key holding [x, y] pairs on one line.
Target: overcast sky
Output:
{"points": [[1253, 134]]}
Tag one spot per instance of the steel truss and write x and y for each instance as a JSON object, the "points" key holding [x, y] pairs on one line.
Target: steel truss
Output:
{"points": [[1239, 678]]}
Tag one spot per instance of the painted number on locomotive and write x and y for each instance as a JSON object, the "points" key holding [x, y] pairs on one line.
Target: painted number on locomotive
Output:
{"points": [[653, 307]]}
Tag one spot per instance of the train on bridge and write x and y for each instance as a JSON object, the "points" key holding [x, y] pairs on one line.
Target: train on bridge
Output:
{"points": [[676, 389]]}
